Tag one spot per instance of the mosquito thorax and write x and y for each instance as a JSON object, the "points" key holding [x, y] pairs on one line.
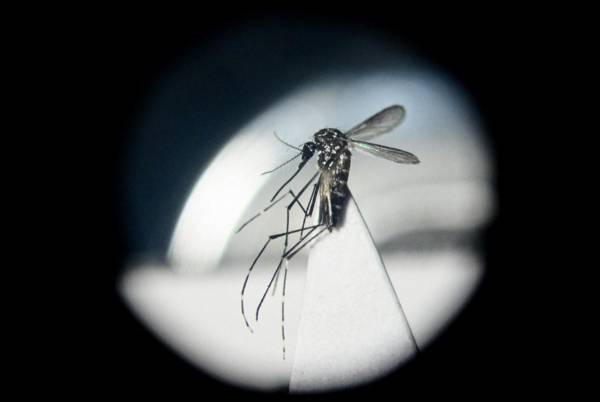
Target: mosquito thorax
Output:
{"points": [[330, 144]]}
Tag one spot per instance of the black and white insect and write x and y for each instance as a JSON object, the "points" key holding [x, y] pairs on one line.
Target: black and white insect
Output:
{"points": [[333, 149]]}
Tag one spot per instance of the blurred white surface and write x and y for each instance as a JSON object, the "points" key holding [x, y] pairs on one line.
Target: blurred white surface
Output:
{"points": [[199, 315]]}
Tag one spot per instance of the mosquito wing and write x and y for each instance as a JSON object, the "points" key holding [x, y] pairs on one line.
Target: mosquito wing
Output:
{"points": [[378, 124], [389, 153]]}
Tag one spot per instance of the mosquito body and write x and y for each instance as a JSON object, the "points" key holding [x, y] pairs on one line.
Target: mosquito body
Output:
{"points": [[333, 149]]}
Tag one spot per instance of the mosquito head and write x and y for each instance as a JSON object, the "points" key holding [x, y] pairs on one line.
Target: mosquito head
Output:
{"points": [[308, 150]]}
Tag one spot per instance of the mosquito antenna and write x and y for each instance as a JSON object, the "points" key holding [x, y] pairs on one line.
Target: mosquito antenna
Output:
{"points": [[282, 165], [285, 143]]}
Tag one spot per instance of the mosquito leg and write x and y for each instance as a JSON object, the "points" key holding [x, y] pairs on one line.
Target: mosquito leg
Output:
{"points": [[268, 287], [279, 265], [269, 207], [299, 242], [300, 166], [272, 237], [290, 254], [310, 206], [286, 257], [287, 228], [283, 307], [287, 222], [275, 284], [246, 282], [261, 212], [278, 235], [295, 200], [292, 203]]}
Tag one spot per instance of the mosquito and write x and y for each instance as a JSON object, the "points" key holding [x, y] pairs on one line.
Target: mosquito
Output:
{"points": [[333, 149]]}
